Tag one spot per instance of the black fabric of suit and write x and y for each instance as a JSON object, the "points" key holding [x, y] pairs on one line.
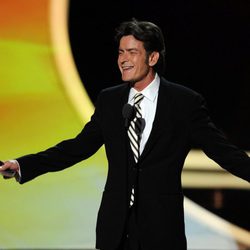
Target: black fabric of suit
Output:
{"points": [[181, 122]]}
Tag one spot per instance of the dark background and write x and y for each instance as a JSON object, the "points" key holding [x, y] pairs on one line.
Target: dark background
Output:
{"points": [[208, 50]]}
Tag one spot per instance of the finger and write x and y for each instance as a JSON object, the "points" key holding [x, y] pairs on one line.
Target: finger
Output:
{"points": [[7, 177], [8, 173], [5, 165], [9, 165]]}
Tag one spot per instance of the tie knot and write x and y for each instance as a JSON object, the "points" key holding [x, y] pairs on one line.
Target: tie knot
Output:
{"points": [[138, 98]]}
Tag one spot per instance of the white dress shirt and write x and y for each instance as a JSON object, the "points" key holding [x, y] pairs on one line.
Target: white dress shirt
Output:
{"points": [[148, 107]]}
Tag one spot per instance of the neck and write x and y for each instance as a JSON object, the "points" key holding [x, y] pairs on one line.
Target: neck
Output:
{"points": [[142, 84]]}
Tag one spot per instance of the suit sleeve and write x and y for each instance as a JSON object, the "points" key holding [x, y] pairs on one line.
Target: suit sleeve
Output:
{"points": [[65, 153], [205, 135]]}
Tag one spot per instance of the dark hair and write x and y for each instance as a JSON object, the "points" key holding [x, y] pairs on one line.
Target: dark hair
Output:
{"points": [[148, 33]]}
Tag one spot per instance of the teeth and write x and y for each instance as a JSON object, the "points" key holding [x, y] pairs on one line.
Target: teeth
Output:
{"points": [[127, 68]]}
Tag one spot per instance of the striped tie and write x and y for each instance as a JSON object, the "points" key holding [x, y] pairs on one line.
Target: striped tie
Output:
{"points": [[134, 134]]}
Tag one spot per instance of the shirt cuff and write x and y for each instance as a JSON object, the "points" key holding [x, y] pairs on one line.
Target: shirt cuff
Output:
{"points": [[18, 173]]}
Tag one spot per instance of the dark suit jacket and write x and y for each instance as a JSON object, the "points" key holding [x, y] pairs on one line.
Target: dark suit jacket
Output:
{"points": [[181, 122]]}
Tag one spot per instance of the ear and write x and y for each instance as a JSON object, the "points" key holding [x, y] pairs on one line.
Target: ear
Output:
{"points": [[153, 58]]}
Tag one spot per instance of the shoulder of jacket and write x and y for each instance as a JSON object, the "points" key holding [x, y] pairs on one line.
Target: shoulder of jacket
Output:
{"points": [[114, 89], [178, 89], [112, 94]]}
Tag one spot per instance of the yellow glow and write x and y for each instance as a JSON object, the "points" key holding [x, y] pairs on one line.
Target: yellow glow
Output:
{"points": [[64, 60]]}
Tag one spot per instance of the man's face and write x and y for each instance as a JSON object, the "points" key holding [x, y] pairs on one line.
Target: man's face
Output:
{"points": [[132, 60]]}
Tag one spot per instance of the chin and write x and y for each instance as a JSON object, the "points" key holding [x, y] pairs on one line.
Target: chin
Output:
{"points": [[126, 76], [126, 79]]}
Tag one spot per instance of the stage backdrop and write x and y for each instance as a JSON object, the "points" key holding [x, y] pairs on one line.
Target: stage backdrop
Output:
{"points": [[56, 210], [43, 101]]}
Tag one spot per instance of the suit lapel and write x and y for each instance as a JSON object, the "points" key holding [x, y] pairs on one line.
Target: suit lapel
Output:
{"points": [[123, 97], [160, 122]]}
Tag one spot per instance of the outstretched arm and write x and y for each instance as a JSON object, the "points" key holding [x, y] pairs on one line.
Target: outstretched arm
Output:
{"points": [[62, 155], [204, 134]]}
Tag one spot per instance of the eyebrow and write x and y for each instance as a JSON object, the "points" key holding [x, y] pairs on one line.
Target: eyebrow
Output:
{"points": [[130, 49]]}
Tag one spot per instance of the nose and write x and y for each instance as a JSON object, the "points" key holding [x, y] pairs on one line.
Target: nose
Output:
{"points": [[123, 58]]}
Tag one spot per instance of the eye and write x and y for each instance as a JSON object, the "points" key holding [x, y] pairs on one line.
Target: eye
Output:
{"points": [[120, 52], [133, 52]]}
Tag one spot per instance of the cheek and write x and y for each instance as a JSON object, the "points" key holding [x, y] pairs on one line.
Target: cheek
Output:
{"points": [[119, 64], [141, 62], [142, 66]]}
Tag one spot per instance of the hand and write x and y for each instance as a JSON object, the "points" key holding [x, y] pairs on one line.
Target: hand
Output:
{"points": [[9, 168]]}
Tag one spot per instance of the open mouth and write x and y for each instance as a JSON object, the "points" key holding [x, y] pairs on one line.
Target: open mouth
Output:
{"points": [[127, 68]]}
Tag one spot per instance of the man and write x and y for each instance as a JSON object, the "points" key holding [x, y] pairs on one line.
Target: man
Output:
{"points": [[147, 139]]}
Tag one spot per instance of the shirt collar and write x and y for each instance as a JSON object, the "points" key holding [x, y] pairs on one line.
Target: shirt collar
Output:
{"points": [[150, 92]]}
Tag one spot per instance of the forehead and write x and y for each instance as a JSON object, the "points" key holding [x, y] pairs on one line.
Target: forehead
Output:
{"points": [[130, 42]]}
